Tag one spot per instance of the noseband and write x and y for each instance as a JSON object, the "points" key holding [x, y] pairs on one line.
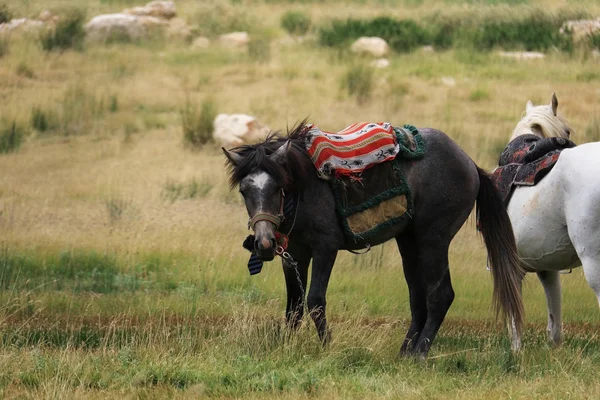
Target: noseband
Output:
{"points": [[274, 219]]}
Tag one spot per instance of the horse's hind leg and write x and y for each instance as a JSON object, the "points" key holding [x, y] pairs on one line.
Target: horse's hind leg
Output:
{"points": [[591, 270], [433, 278], [417, 295], [551, 282]]}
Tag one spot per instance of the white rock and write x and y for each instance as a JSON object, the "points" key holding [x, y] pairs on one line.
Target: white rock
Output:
{"points": [[380, 63], [158, 9], [103, 27], [48, 16], [200, 42], [234, 39], [448, 81], [232, 130], [428, 49], [21, 25], [581, 29], [377, 47], [522, 55]]}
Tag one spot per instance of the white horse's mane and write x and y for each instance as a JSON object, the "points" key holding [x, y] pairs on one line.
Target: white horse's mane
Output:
{"points": [[541, 121]]}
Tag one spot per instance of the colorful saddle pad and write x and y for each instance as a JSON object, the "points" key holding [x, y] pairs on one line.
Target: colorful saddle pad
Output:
{"points": [[353, 149], [525, 161]]}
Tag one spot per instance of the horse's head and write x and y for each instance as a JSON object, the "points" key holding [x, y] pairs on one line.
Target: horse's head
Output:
{"points": [[261, 178], [543, 121]]}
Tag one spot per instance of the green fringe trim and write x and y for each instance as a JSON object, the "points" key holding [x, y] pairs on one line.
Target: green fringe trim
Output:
{"points": [[406, 152]]}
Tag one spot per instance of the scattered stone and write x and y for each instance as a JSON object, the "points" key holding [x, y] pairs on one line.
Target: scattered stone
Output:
{"points": [[48, 16], [232, 130], [380, 63], [234, 39], [375, 46], [581, 29], [158, 9], [448, 81], [200, 42], [428, 49], [522, 55]]}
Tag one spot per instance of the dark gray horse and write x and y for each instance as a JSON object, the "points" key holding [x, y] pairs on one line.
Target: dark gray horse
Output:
{"points": [[445, 185]]}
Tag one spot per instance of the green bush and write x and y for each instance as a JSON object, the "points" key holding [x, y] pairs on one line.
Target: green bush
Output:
{"points": [[594, 41], [68, 33], [198, 124], [5, 14], [11, 137], [401, 35], [295, 22]]}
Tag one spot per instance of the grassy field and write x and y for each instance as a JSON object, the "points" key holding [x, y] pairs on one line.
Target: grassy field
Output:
{"points": [[121, 268]]}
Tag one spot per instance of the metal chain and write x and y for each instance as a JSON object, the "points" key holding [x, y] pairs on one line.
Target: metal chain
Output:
{"points": [[290, 260]]}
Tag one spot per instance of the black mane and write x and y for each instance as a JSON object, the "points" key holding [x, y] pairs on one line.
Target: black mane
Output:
{"points": [[289, 175]]}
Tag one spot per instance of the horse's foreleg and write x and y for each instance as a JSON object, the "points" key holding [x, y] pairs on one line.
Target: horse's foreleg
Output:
{"points": [[295, 282], [323, 261], [551, 283]]}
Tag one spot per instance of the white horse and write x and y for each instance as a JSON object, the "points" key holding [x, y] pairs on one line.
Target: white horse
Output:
{"points": [[557, 222]]}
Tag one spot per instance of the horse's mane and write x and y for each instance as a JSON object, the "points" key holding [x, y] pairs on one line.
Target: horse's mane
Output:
{"points": [[541, 121], [290, 174]]}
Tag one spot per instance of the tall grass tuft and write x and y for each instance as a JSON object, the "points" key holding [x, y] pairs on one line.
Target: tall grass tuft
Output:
{"points": [[197, 123], [296, 22], [3, 47], [358, 81], [11, 137], [68, 33], [215, 19], [44, 120], [259, 50]]}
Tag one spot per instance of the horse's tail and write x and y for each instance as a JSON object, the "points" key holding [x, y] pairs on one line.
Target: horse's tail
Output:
{"points": [[507, 271]]}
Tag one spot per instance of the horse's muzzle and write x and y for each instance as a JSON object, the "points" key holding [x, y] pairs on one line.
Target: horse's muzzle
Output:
{"points": [[265, 248]]}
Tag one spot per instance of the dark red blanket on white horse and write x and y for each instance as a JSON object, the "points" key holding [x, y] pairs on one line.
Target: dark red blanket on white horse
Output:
{"points": [[525, 161]]}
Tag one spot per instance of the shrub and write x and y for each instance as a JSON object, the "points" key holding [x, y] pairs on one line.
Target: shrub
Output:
{"points": [[11, 137], [24, 70], [5, 14], [401, 35], [198, 124], [295, 22], [358, 81], [68, 33], [594, 41]]}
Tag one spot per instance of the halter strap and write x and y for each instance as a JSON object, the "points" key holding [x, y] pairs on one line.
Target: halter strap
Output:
{"points": [[274, 219]]}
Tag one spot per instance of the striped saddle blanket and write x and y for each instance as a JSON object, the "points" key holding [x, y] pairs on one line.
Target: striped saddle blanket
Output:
{"points": [[353, 149]]}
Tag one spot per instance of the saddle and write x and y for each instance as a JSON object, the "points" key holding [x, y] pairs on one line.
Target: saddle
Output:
{"points": [[361, 165], [525, 161]]}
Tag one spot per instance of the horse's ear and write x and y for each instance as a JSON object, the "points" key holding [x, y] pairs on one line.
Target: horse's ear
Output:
{"points": [[281, 152], [233, 157], [529, 106], [554, 104]]}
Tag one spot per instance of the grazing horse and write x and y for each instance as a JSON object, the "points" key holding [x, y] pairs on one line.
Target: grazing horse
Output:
{"points": [[557, 222], [445, 184]]}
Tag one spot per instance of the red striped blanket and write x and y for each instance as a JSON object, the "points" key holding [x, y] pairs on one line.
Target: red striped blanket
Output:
{"points": [[353, 149]]}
